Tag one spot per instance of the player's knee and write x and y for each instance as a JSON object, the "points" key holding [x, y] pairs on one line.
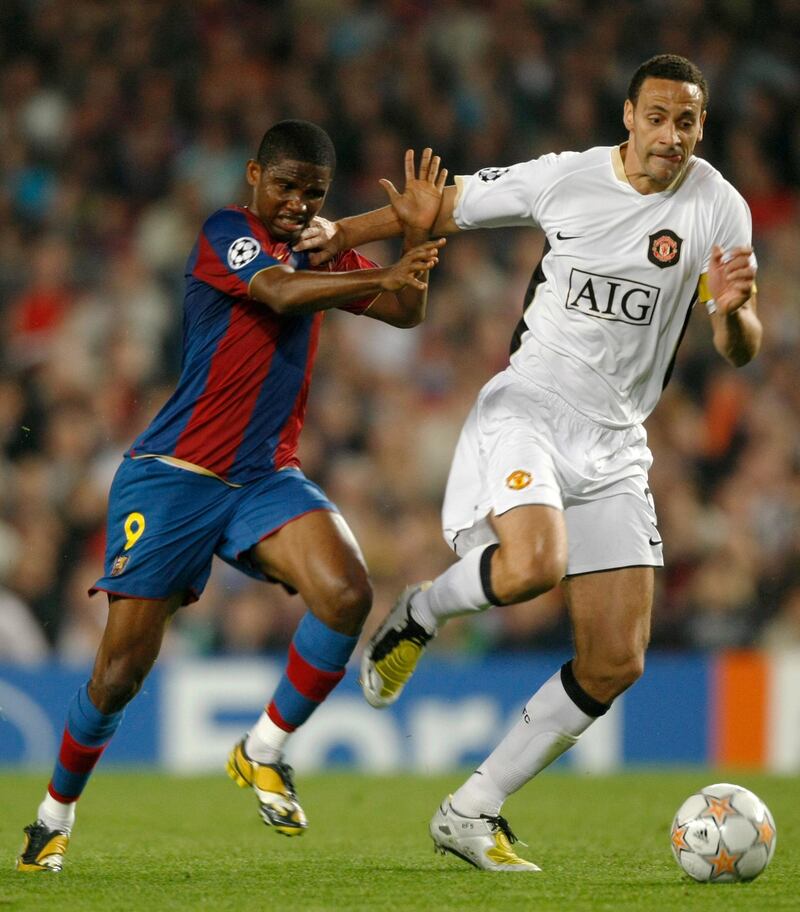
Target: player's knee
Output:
{"points": [[608, 679], [348, 604], [527, 574], [113, 688], [550, 571], [628, 671]]}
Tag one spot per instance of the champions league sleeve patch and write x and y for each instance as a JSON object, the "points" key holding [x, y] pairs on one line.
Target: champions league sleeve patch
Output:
{"points": [[664, 248], [487, 175], [243, 251]]}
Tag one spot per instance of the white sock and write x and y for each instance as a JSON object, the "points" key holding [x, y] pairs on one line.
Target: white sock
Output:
{"points": [[550, 724], [265, 740], [56, 815], [459, 590]]}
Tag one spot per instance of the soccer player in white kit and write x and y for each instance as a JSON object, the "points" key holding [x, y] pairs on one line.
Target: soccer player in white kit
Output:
{"points": [[549, 478]]}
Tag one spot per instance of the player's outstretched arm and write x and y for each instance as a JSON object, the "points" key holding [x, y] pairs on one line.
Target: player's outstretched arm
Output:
{"points": [[425, 205], [417, 208], [289, 291], [731, 281]]}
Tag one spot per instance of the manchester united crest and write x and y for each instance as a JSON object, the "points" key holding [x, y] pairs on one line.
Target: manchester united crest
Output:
{"points": [[664, 248]]}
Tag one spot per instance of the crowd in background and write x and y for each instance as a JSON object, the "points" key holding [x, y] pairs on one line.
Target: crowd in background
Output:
{"points": [[124, 124]]}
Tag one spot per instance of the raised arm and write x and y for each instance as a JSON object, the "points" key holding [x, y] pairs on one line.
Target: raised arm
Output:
{"points": [[731, 281], [421, 206], [416, 209]]}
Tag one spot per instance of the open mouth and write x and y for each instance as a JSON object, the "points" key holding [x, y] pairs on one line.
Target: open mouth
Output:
{"points": [[290, 223]]}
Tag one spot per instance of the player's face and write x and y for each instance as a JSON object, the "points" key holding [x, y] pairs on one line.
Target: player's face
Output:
{"points": [[287, 194], [664, 127]]}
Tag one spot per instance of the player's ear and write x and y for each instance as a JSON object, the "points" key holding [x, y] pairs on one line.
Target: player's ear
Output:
{"points": [[253, 172], [627, 115], [702, 124]]}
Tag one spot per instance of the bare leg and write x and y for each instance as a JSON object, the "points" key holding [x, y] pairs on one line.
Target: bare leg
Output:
{"points": [[529, 559], [318, 555], [129, 648]]}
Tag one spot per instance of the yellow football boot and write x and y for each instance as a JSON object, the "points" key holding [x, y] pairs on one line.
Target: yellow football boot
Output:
{"points": [[43, 849], [274, 788], [392, 654]]}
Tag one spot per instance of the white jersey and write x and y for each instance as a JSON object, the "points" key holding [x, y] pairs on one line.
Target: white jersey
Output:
{"points": [[611, 298]]}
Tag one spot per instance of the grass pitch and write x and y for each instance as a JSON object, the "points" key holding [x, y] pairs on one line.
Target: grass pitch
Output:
{"points": [[152, 842]]}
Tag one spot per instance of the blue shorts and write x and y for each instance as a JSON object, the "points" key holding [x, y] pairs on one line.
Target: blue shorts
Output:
{"points": [[165, 524]]}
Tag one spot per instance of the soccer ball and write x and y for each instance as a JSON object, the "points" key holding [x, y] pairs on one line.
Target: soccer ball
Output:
{"points": [[722, 834]]}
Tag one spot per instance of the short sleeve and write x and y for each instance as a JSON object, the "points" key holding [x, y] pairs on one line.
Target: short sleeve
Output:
{"points": [[348, 261], [503, 197], [733, 226], [228, 254]]}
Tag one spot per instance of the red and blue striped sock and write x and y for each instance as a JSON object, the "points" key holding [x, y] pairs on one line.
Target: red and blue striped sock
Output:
{"points": [[317, 660], [86, 735]]}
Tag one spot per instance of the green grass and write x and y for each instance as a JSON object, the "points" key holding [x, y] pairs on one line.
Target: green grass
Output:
{"points": [[151, 842]]}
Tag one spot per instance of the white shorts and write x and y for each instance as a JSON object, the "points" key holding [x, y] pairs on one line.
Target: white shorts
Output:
{"points": [[522, 444]]}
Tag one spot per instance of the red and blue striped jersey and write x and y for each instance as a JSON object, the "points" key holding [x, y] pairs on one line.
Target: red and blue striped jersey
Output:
{"points": [[241, 397]]}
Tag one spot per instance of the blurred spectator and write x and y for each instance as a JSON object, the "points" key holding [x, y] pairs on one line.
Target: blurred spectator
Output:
{"points": [[721, 603], [21, 636], [84, 617], [124, 124], [34, 317], [783, 630]]}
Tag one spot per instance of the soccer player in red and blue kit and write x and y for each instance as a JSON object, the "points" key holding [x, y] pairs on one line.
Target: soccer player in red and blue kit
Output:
{"points": [[217, 472]]}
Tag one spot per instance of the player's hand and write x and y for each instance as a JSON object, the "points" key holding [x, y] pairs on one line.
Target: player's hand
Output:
{"points": [[322, 239], [419, 203], [730, 278], [410, 268]]}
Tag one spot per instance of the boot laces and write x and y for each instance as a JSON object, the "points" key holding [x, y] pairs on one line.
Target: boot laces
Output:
{"points": [[499, 823]]}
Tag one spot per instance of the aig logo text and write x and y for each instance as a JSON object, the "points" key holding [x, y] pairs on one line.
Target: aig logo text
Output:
{"points": [[612, 298]]}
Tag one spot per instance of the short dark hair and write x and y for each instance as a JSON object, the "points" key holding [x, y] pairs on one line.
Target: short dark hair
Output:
{"points": [[668, 66], [298, 140]]}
